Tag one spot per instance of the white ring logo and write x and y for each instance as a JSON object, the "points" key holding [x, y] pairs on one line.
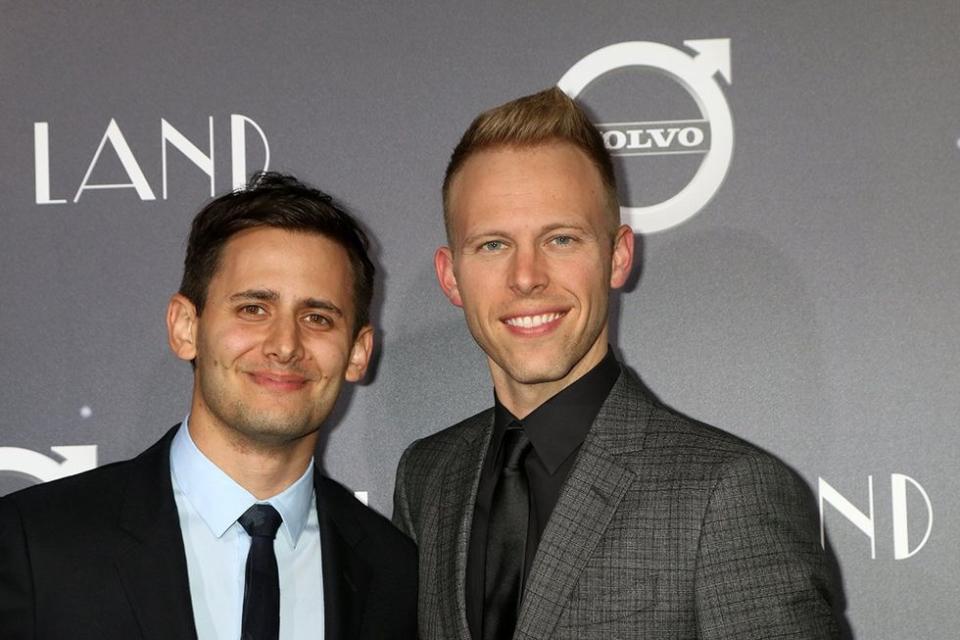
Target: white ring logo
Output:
{"points": [[37, 466], [695, 74]]}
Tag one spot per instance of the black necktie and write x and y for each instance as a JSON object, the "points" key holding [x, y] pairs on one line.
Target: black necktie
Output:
{"points": [[506, 540], [261, 594]]}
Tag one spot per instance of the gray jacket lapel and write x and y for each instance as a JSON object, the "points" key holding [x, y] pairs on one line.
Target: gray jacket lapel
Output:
{"points": [[588, 501], [457, 498]]}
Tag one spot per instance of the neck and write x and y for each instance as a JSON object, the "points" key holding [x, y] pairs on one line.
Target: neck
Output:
{"points": [[522, 398], [263, 469]]}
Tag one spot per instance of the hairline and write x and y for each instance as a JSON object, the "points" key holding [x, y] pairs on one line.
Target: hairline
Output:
{"points": [[218, 264], [611, 204]]}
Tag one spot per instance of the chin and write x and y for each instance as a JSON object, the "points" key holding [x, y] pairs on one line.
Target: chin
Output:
{"points": [[530, 373], [274, 439], [274, 430]]}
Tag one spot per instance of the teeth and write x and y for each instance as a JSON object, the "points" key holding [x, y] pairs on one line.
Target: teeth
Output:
{"points": [[529, 322]]}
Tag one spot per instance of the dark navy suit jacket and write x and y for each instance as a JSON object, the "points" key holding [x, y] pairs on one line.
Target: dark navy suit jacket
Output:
{"points": [[100, 555]]}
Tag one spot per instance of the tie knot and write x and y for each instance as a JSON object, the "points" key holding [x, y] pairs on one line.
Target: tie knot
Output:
{"points": [[260, 521], [515, 447]]}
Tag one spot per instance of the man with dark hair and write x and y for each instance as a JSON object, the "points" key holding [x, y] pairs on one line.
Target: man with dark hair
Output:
{"points": [[579, 507], [224, 528]]}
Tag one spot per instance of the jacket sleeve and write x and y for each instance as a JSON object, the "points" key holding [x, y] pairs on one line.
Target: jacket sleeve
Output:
{"points": [[16, 583], [761, 572], [401, 504]]}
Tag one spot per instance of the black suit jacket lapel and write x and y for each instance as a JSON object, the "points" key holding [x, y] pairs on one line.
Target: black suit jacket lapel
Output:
{"points": [[149, 556], [346, 575]]}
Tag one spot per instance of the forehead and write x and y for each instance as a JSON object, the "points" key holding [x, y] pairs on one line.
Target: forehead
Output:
{"points": [[298, 263], [551, 180]]}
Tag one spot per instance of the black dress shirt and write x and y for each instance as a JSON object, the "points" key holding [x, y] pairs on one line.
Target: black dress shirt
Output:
{"points": [[556, 429]]}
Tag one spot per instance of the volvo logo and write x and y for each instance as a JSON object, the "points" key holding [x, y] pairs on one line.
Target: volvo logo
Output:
{"points": [[711, 136]]}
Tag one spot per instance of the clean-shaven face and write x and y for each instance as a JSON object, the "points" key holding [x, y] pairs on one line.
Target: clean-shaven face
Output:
{"points": [[275, 340], [533, 256]]}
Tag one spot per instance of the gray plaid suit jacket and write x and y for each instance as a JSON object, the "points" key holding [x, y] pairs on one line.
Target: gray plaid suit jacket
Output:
{"points": [[665, 528]]}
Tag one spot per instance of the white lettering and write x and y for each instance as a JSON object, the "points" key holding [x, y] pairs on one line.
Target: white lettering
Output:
{"points": [[901, 545], [659, 139], [238, 148], [669, 139], [170, 136], [635, 140], [691, 137], [614, 139], [205, 163], [41, 164], [859, 519], [137, 180]]}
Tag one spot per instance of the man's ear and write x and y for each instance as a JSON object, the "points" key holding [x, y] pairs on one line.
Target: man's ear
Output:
{"points": [[443, 263], [621, 260], [360, 354], [182, 327]]}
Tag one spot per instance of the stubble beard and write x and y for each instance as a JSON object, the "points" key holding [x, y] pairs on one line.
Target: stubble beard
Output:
{"points": [[249, 428]]}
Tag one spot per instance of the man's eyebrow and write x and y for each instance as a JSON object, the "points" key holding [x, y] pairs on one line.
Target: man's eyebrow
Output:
{"points": [[268, 295], [576, 226], [320, 303], [497, 233], [489, 232]]}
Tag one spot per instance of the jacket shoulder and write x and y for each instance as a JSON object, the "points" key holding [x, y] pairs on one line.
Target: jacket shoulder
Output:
{"points": [[92, 491], [679, 435], [90, 498], [450, 438], [657, 437], [425, 459], [339, 499]]}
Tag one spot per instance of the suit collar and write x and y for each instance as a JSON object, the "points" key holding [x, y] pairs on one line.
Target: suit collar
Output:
{"points": [[587, 503], [458, 496], [219, 500], [152, 563], [558, 427], [150, 558], [346, 574], [621, 424]]}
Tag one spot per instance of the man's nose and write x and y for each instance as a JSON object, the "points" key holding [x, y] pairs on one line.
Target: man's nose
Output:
{"points": [[283, 340], [528, 273]]}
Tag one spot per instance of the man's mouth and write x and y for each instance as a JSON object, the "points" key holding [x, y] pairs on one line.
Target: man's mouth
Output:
{"points": [[534, 321], [278, 381]]}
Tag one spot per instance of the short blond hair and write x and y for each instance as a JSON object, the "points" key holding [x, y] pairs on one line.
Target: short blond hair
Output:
{"points": [[541, 118]]}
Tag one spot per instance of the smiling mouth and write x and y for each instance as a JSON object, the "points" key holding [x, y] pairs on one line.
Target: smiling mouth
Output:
{"points": [[278, 381], [534, 321]]}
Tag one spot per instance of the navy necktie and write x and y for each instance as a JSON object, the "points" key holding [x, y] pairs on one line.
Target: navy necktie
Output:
{"points": [[261, 593], [506, 540]]}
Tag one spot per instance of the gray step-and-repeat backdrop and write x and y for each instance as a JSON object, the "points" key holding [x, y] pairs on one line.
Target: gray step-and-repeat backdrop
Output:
{"points": [[792, 169]]}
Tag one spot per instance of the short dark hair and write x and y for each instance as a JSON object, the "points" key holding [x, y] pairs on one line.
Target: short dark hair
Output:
{"points": [[280, 201], [541, 118]]}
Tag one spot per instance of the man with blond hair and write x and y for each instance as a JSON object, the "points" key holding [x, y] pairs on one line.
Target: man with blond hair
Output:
{"points": [[578, 506]]}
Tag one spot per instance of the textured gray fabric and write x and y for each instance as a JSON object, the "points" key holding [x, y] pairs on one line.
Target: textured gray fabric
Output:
{"points": [[666, 528]]}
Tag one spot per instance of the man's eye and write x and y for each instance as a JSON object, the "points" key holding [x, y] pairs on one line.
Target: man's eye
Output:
{"points": [[492, 245], [563, 241], [252, 310], [318, 319]]}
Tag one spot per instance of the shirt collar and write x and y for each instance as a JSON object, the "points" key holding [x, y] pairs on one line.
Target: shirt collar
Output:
{"points": [[219, 500], [558, 427]]}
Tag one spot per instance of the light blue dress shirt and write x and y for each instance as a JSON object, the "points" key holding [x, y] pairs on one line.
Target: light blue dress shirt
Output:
{"points": [[209, 503]]}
